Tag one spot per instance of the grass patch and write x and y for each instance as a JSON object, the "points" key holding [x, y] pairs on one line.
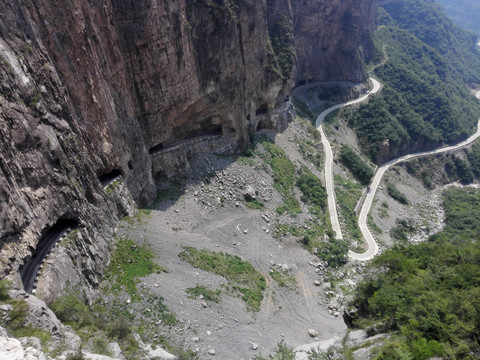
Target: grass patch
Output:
{"points": [[396, 195], [141, 217], [129, 262], [112, 186], [283, 176], [373, 226], [282, 352], [15, 322], [312, 189], [254, 204], [240, 273], [348, 193], [5, 286], [96, 325], [383, 210], [208, 294], [283, 278]]}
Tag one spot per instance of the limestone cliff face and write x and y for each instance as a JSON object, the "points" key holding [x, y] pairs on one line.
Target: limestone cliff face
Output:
{"points": [[88, 87], [332, 37]]}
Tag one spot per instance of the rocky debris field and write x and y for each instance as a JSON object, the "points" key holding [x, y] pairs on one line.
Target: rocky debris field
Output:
{"points": [[228, 205], [209, 209]]}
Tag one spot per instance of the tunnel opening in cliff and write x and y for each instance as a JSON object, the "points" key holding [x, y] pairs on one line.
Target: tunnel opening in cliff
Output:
{"points": [[209, 127], [49, 238], [110, 176], [262, 118], [261, 111]]}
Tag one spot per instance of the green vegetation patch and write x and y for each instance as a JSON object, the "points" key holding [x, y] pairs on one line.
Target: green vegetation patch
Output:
{"points": [[312, 189], [141, 217], [425, 99], [283, 278], [208, 294], [282, 42], [402, 229], [112, 186], [396, 194], [310, 153], [15, 321], [474, 159], [283, 177], [130, 261], [96, 325], [303, 108], [282, 352], [356, 165], [430, 293], [348, 194], [254, 204], [240, 273]]}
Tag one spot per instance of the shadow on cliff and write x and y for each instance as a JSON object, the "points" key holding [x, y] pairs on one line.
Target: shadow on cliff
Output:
{"points": [[206, 170]]}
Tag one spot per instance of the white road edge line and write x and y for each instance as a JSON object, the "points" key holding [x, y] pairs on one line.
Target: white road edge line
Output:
{"points": [[332, 207], [373, 249], [372, 245]]}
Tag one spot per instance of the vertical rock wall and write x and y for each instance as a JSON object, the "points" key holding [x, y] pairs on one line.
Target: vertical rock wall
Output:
{"points": [[332, 37], [91, 86]]}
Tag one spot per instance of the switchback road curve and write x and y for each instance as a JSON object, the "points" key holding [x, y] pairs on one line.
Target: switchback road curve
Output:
{"points": [[372, 246], [332, 208]]}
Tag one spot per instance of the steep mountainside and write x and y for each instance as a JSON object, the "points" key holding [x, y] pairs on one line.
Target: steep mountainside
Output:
{"points": [[464, 12], [427, 65], [94, 89]]}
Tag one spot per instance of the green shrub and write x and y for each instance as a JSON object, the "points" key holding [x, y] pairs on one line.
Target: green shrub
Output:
{"points": [[312, 189], [396, 195], [334, 252], [356, 165], [209, 295], [5, 286], [429, 294], [240, 273]]}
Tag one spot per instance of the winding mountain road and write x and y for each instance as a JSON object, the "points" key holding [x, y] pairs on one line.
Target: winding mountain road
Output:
{"points": [[372, 245], [332, 208]]}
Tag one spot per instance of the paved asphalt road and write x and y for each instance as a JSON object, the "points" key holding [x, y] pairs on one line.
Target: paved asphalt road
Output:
{"points": [[332, 208], [362, 219]]}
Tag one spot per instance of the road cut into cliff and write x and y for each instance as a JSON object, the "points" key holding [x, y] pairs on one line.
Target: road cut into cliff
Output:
{"points": [[31, 269]]}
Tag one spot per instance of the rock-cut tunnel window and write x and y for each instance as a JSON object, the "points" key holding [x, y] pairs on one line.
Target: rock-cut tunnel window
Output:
{"points": [[30, 269], [107, 178]]}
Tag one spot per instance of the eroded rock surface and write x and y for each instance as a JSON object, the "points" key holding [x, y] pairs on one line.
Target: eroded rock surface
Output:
{"points": [[92, 86]]}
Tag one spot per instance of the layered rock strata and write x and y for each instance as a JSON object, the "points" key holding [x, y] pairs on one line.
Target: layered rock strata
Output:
{"points": [[88, 87]]}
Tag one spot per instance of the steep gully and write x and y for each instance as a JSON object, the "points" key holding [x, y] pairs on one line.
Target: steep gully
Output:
{"points": [[372, 246]]}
